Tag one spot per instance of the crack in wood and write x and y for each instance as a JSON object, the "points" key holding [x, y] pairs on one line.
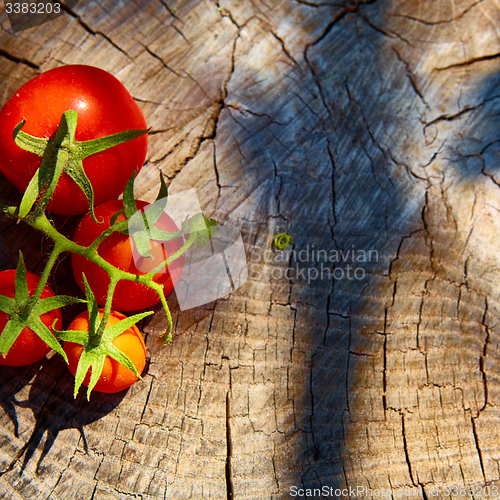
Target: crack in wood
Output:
{"points": [[227, 13], [170, 11], [228, 468], [405, 448], [319, 4], [478, 449], [469, 62], [484, 354], [88, 29], [283, 46], [411, 77], [164, 64], [441, 21], [18, 60], [389, 34]]}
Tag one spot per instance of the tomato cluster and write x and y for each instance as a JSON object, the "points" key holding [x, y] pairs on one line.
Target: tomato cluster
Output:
{"points": [[105, 112]]}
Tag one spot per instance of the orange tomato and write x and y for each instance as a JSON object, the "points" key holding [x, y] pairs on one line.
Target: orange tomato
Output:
{"points": [[114, 377]]}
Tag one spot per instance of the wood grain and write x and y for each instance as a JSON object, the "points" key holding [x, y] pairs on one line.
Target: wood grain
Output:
{"points": [[354, 127]]}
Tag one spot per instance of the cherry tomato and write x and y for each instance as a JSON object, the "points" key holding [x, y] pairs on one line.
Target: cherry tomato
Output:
{"points": [[119, 250], [28, 348], [114, 377], [104, 107]]}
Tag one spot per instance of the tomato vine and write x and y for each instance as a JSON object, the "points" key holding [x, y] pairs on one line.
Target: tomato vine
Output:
{"points": [[62, 154]]}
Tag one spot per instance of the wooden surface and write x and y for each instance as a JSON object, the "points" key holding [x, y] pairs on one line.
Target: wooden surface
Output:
{"points": [[353, 126]]}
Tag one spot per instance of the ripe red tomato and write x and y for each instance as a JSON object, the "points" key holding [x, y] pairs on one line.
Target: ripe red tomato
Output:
{"points": [[28, 347], [104, 107], [119, 250], [114, 377]]}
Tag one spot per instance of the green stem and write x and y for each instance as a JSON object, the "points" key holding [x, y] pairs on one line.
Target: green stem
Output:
{"points": [[190, 241], [167, 336], [106, 233], [113, 281], [46, 272], [63, 244], [40, 222]]}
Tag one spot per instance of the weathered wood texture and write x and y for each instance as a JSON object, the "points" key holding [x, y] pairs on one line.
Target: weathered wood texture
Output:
{"points": [[356, 126]]}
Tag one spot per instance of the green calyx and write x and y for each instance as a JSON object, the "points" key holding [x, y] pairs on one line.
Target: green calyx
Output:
{"points": [[97, 342], [25, 311], [141, 223], [62, 153]]}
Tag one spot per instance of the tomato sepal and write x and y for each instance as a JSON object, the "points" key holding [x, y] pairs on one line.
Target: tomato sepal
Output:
{"points": [[7, 304], [97, 343], [24, 314], [55, 157], [142, 223], [113, 219], [50, 303], [75, 336], [202, 227], [93, 309], [154, 210], [10, 333], [100, 144], [44, 333], [92, 356], [63, 153], [138, 227], [22, 294], [35, 145], [129, 205]]}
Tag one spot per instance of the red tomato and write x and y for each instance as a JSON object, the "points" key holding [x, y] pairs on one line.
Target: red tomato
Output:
{"points": [[104, 107], [28, 347], [119, 250], [114, 377]]}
